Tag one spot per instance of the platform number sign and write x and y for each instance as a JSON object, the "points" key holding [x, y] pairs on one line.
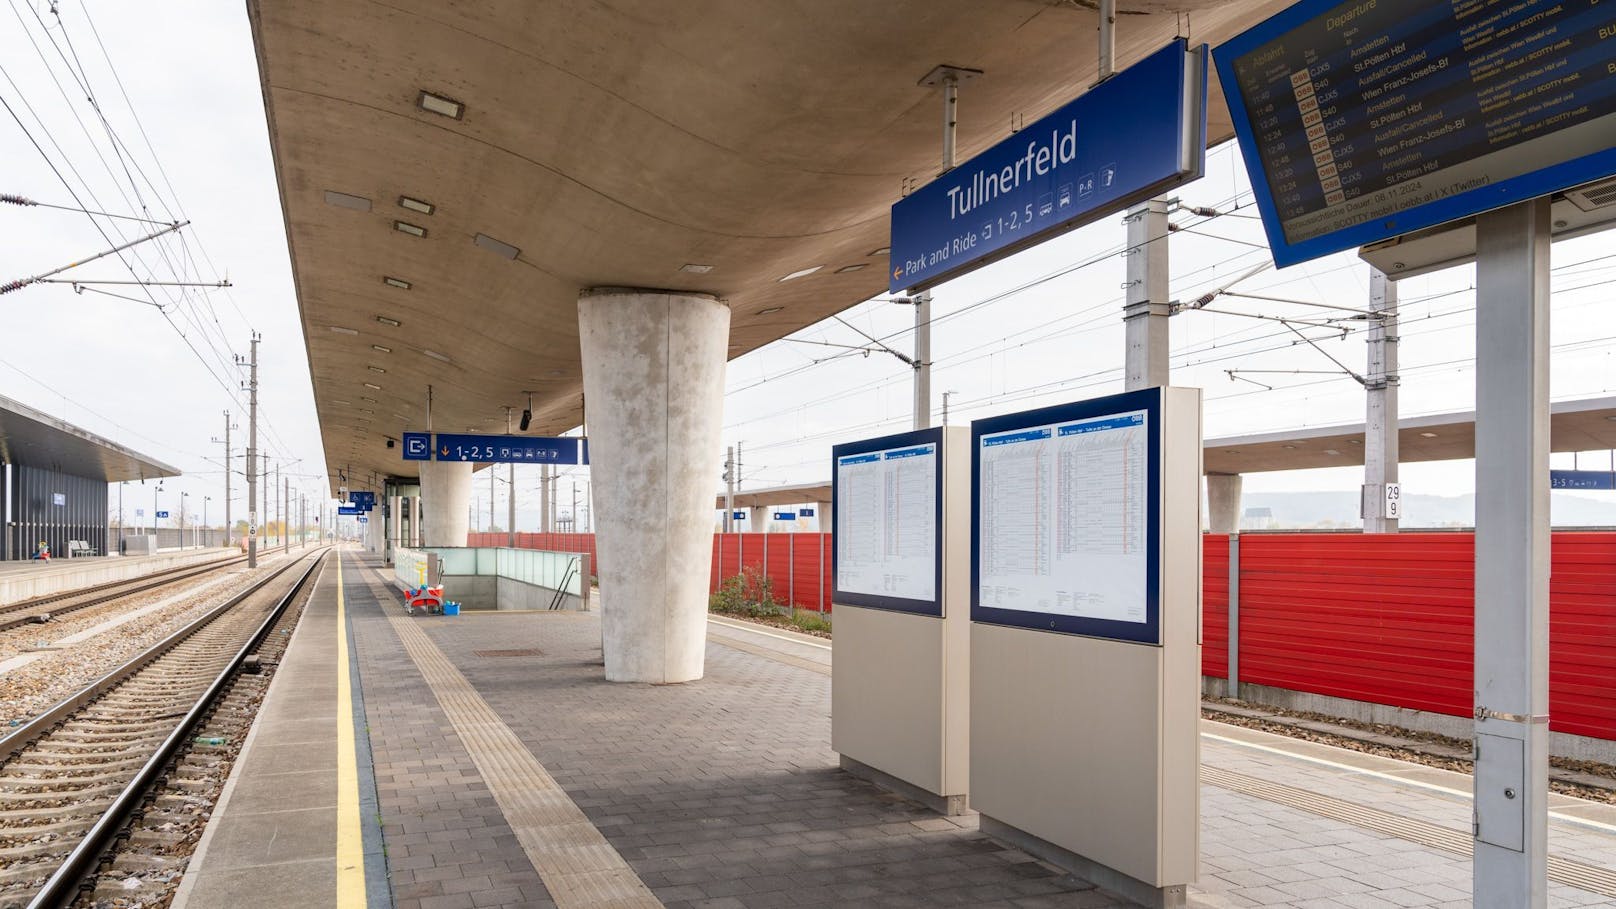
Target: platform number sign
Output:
{"points": [[1394, 501]]}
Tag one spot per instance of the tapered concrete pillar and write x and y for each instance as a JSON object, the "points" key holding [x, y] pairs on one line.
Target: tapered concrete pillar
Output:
{"points": [[1223, 502], [395, 524], [758, 518], [654, 392], [823, 515], [445, 493]]}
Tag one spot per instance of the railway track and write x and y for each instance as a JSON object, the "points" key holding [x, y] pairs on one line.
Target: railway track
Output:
{"points": [[73, 779], [41, 609]]}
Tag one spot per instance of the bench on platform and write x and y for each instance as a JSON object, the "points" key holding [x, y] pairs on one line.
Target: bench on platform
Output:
{"points": [[76, 548]]}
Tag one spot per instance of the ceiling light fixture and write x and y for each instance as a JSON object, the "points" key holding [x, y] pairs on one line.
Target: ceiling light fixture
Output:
{"points": [[386, 321], [527, 415], [802, 273], [343, 200], [344, 331], [696, 269], [405, 227], [367, 398], [770, 311], [497, 247], [847, 268], [425, 208], [343, 403], [371, 386], [376, 369], [438, 104], [366, 410], [883, 251], [378, 347], [399, 283], [437, 356], [1427, 435], [1331, 451]]}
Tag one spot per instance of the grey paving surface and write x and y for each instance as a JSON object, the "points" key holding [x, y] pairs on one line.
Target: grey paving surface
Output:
{"points": [[724, 794]]}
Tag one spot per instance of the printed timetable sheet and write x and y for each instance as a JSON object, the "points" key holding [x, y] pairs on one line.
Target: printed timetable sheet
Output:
{"points": [[886, 523], [1064, 518]]}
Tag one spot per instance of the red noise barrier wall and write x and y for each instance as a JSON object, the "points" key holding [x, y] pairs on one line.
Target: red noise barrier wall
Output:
{"points": [[1388, 618]]}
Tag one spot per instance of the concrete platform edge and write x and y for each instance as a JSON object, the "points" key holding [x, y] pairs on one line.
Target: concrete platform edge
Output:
{"points": [[1132, 889], [378, 883]]}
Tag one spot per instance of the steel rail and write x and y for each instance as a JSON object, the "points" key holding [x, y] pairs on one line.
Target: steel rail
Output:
{"points": [[65, 884], [110, 591]]}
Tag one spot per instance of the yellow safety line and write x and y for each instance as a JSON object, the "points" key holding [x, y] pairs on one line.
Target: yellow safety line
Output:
{"points": [[350, 841]]}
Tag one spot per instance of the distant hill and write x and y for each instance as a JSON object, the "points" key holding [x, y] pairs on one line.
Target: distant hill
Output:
{"points": [[1340, 509]]}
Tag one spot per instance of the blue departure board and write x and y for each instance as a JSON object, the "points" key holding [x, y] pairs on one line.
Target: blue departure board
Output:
{"points": [[1365, 120]]}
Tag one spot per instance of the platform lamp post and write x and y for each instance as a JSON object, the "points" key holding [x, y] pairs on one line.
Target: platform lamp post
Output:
{"points": [[155, 493], [205, 501], [183, 497]]}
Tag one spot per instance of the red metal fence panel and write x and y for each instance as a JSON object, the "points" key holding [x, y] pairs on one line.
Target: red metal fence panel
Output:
{"points": [[1384, 618], [1582, 634], [1215, 605]]}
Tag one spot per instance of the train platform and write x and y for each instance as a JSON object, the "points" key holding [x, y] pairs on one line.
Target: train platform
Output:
{"points": [[480, 761], [26, 579]]}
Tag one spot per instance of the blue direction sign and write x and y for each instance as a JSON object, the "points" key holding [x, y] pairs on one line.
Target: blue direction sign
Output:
{"points": [[348, 509], [785, 516], [162, 514], [805, 512], [740, 515], [1362, 121], [362, 499], [363, 519], [1582, 479], [1127, 139], [509, 449], [417, 446]]}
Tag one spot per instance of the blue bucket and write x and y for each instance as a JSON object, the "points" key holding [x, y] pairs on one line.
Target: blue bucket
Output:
{"points": [[451, 608]]}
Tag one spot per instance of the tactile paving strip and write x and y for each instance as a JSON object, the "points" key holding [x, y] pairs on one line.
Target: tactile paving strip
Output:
{"points": [[1592, 878], [578, 866]]}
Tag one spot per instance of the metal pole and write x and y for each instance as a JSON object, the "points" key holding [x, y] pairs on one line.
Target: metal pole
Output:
{"points": [[729, 490], [1380, 423], [1145, 313], [286, 511], [1108, 39], [252, 453], [923, 359], [511, 511], [1510, 864], [182, 521], [544, 498], [490, 499], [1234, 615]]}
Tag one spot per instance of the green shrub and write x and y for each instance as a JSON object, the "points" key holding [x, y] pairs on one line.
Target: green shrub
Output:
{"points": [[749, 594]]}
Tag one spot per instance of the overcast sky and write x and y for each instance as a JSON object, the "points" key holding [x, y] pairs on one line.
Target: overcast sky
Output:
{"points": [[1041, 328]]}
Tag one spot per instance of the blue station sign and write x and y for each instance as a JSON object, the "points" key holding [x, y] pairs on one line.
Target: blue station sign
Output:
{"points": [[349, 510], [417, 446], [509, 449], [1365, 120], [424, 446], [1582, 479], [1132, 136], [785, 516], [363, 499]]}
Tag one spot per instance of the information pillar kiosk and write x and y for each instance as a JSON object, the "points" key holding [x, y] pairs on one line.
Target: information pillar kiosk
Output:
{"points": [[900, 561], [1085, 637]]}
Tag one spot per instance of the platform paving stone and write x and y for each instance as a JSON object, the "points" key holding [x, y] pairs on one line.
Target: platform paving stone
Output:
{"points": [[725, 793]]}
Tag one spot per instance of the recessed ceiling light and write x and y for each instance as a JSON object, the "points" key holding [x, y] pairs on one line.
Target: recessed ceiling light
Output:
{"points": [[366, 398], [438, 104], [437, 356], [372, 387], [343, 403], [557, 372], [770, 311], [1331, 451], [366, 410], [1354, 441], [402, 417], [1290, 447], [847, 268], [1427, 435], [399, 283], [883, 251], [386, 321], [405, 227], [343, 331], [696, 269], [375, 369], [378, 347], [343, 200], [802, 273], [498, 247], [425, 208]]}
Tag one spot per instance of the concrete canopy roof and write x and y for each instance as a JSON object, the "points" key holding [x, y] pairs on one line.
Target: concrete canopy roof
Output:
{"points": [[779, 495], [614, 144], [33, 438], [1585, 425]]}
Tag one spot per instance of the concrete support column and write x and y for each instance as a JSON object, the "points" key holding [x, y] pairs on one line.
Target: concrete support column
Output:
{"points": [[823, 514], [1380, 418], [1144, 315], [654, 379], [758, 518], [395, 524], [445, 492], [1223, 502]]}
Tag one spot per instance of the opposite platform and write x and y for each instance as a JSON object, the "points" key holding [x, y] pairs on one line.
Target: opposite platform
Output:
{"points": [[508, 773]]}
